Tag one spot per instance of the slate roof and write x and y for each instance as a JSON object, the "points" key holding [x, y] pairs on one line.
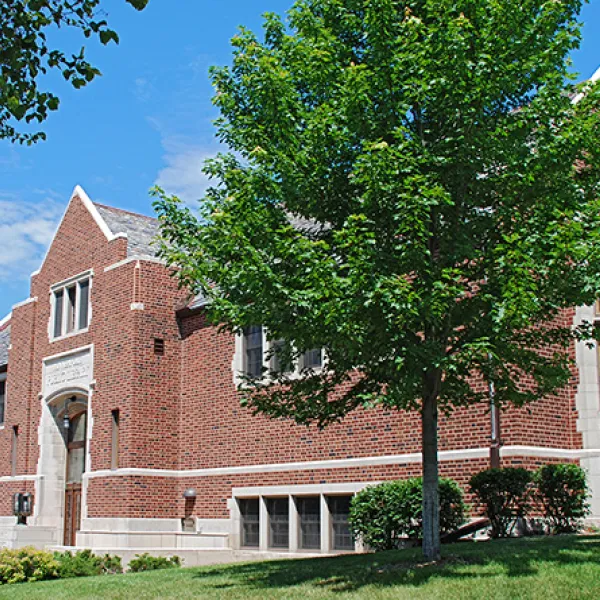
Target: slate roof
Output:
{"points": [[140, 230], [4, 344]]}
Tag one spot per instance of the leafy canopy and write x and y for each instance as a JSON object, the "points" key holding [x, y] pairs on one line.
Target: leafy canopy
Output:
{"points": [[409, 187], [26, 55]]}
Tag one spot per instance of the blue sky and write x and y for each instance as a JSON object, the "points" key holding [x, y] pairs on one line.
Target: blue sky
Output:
{"points": [[147, 120]]}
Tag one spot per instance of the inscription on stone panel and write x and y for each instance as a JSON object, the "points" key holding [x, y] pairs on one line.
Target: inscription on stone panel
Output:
{"points": [[73, 370]]}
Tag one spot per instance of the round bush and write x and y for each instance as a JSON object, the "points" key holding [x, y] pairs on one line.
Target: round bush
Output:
{"points": [[563, 494], [384, 515], [504, 494]]}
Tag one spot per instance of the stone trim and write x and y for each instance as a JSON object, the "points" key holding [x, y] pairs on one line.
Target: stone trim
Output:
{"points": [[414, 458]]}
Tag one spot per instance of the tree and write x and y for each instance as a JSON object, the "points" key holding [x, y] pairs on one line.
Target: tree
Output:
{"points": [[26, 56], [411, 188]]}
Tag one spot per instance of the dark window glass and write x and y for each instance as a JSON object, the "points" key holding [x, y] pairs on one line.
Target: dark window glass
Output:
{"points": [[58, 312], [309, 513], [312, 359], [253, 341], [84, 301], [279, 522], [71, 296], [2, 400], [340, 509], [250, 522]]}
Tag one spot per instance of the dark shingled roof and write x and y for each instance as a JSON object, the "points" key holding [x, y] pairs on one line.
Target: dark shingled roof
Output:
{"points": [[4, 344], [140, 230]]}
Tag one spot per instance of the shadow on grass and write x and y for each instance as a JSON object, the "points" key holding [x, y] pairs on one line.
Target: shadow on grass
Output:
{"points": [[512, 558]]}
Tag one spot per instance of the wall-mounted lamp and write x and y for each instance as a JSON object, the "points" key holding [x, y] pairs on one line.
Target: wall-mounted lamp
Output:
{"points": [[190, 493], [66, 420]]}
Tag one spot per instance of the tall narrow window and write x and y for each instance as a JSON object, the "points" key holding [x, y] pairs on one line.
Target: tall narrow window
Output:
{"points": [[13, 451], [84, 303], [71, 308], [58, 312], [340, 509], [114, 456], [279, 522], [2, 401], [71, 305], [309, 513], [253, 349], [249, 512]]}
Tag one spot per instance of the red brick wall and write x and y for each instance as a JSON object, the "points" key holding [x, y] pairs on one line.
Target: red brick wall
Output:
{"points": [[182, 411]]}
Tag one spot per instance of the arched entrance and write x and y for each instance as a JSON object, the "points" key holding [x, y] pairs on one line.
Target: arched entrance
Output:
{"points": [[74, 423]]}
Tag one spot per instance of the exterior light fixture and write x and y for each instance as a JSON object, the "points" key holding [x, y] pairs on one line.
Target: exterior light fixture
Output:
{"points": [[66, 420], [190, 493]]}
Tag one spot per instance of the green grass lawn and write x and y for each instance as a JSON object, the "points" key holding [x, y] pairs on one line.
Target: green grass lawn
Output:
{"points": [[546, 568]]}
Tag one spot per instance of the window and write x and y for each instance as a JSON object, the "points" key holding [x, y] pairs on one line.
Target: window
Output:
{"points": [[253, 348], [2, 400], [13, 451], [309, 514], [280, 364], [71, 307], [253, 351], [279, 522], [339, 507], [114, 454], [249, 512], [312, 359]]}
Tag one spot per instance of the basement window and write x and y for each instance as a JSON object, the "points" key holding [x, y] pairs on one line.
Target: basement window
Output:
{"points": [[249, 511]]}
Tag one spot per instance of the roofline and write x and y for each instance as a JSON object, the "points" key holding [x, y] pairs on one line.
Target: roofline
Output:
{"points": [[5, 320], [595, 77], [122, 210], [79, 192]]}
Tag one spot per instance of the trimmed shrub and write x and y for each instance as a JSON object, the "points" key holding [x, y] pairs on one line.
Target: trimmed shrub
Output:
{"points": [[86, 564], [145, 562], [563, 494], [26, 564], [505, 494], [384, 515]]}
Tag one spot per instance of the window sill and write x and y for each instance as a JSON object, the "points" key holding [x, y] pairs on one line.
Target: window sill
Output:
{"points": [[69, 335]]}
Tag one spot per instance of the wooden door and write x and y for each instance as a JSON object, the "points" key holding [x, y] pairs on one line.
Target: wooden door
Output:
{"points": [[75, 468], [72, 512]]}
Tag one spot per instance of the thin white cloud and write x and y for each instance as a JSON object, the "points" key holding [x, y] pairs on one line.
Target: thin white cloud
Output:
{"points": [[26, 230], [183, 176]]}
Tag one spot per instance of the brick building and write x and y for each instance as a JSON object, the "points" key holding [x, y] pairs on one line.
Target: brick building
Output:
{"points": [[120, 414]]}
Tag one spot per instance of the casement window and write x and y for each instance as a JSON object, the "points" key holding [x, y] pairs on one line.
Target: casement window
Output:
{"points": [[71, 307], [279, 522], [253, 351], [2, 400], [341, 537], [250, 519], [312, 359], [257, 356], [309, 521]]}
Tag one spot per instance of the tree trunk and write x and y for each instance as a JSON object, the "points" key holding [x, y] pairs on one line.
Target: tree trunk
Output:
{"points": [[431, 503]]}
